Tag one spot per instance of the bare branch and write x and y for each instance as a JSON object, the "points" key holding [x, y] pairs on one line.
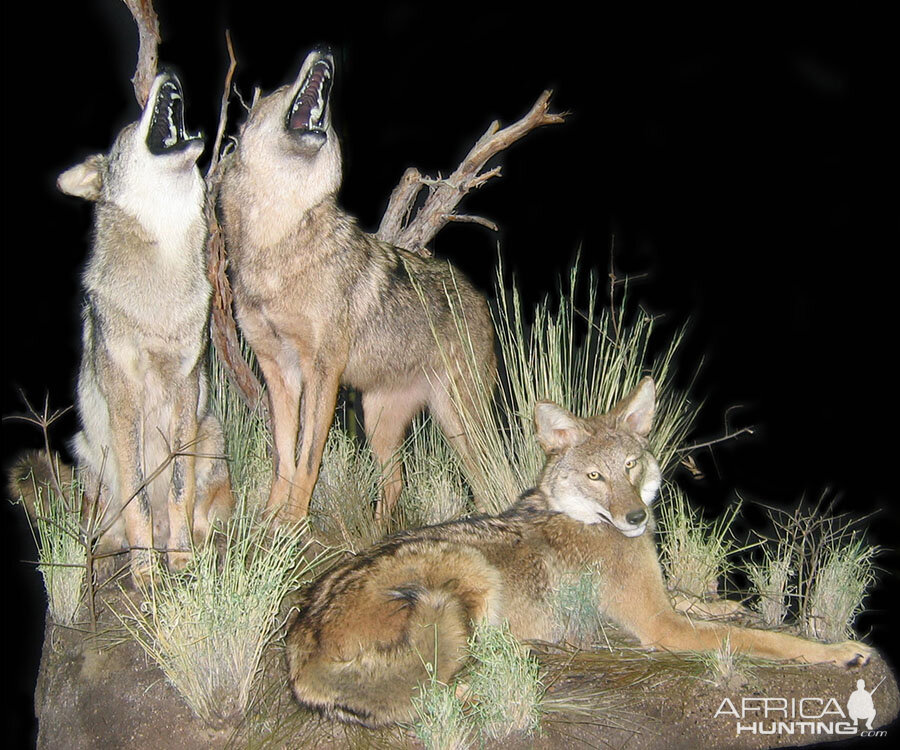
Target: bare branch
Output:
{"points": [[400, 204], [43, 421], [444, 195], [716, 441], [223, 328], [223, 110], [148, 40], [468, 219]]}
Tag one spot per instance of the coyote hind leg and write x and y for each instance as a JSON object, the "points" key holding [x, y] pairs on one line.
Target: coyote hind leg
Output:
{"points": [[387, 414]]}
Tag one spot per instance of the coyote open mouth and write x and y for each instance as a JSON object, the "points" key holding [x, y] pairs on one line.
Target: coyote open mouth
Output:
{"points": [[166, 132], [309, 108]]}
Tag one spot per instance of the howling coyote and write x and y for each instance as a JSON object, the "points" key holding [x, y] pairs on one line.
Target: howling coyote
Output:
{"points": [[322, 303], [142, 388]]}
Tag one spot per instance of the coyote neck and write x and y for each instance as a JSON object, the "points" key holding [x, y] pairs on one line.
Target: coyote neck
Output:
{"points": [[169, 215], [284, 201], [306, 239]]}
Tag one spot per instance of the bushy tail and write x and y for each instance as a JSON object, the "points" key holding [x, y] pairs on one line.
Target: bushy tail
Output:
{"points": [[33, 475], [375, 687]]}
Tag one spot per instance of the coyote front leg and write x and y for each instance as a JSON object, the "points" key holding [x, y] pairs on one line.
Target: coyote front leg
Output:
{"points": [[283, 385], [639, 603], [182, 488], [133, 500], [320, 391]]}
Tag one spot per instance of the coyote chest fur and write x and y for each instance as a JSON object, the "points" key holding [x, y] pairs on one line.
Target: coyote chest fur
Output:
{"points": [[373, 629], [142, 388], [322, 303]]}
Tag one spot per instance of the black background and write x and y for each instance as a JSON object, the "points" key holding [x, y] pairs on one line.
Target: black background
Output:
{"points": [[745, 162]]}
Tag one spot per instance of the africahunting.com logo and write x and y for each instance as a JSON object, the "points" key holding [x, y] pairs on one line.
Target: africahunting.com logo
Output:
{"points": [[804, 716]]}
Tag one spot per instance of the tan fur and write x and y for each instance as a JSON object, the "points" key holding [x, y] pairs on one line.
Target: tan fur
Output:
{"points": [[31, 478], [142, 388], [356, 648], [322, 304]]}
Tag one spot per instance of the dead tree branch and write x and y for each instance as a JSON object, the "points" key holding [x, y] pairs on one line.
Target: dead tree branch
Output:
{"points": [[223, 328], [445, 194], [148, 41]]}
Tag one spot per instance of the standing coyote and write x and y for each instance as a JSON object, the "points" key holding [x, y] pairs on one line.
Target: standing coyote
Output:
{"points": [[365, 632], [142, 389], [322, 303]]}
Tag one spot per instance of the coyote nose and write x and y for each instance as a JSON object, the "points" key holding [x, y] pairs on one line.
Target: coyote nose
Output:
{"points": [[636, 517]]}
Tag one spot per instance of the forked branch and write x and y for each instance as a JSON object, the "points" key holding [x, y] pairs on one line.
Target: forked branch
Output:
{"points": [[413, 232]]}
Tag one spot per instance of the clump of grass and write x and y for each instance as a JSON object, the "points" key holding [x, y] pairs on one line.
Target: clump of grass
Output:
{"points": [[694, 552], [845, 574], [62, 553], [247, 438], [504, 683], [342, 505], [772, 579], [207, 627], [724, 666], [441, 722], [583, 358], [434, 489], [820, 568], [575, 606]]}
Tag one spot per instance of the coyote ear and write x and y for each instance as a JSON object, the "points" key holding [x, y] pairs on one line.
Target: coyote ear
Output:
{"points": [[636, 410], [84, 180], [557, 429]]}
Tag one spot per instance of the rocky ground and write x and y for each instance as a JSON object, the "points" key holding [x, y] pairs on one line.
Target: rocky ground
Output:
{"points": [[102, 691]]}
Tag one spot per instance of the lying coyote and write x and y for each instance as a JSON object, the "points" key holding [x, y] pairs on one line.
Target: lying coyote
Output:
{"points": [[366, 630]]}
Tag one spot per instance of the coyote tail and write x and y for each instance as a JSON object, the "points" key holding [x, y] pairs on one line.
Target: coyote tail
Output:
{"points": [[374, 688], [33, 475]]}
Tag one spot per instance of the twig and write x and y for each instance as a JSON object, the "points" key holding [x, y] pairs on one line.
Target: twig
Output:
{"points": [[43, 422], [716, 441], [469, 219], [612, 288], [444, 194], [148, 41], [223, 110]]}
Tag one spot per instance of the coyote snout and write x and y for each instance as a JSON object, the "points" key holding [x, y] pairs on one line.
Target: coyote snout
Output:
{"points": [[322, 303], [374, 628]]}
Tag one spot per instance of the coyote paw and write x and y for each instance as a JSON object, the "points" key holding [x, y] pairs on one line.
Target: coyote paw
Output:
{"points": [[178, 559], [141, 565], [850, 653]]}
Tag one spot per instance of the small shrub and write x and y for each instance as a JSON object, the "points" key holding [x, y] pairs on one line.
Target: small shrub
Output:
{"points": [[504, 683], [342, 505], [441, 722], [844, 575], [62, 553], [206, 627], [434, 489], [695, 552], [576, 609], [772, 579]]}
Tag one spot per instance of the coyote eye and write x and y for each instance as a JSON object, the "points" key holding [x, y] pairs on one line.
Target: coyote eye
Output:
{"points": [[594, 476], [631, 463]]}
